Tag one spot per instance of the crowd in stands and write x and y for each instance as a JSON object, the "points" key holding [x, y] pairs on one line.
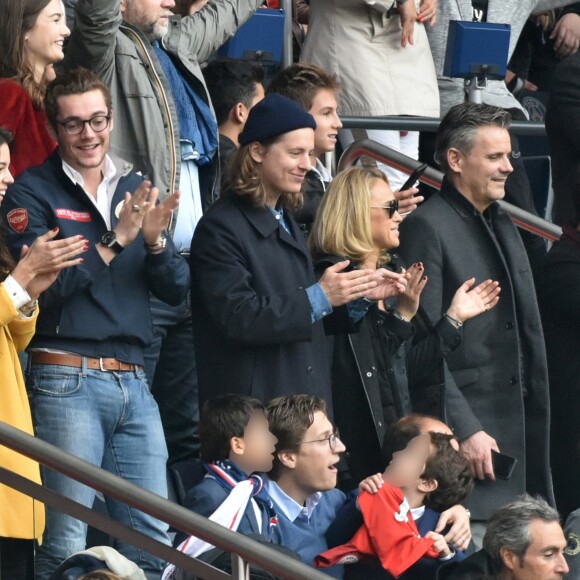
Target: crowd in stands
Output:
{"points": [[374, 384]]}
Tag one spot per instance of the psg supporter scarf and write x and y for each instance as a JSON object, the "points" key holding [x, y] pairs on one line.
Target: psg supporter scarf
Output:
{"points": [[228, 475], [388, 533], [241, 489]]}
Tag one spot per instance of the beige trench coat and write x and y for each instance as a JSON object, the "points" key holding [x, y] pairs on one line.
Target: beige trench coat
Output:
{"points": [[361, 43]]}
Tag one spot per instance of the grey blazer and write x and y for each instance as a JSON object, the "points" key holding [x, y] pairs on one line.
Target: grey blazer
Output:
{"points": [[500, 369], [514, 12]]}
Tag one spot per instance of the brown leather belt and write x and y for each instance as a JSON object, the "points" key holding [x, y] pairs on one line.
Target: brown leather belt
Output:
{"points": [[73, 360]]}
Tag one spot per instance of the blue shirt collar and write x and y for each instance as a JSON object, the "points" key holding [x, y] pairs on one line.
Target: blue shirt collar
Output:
{"points": [[290, 507]]}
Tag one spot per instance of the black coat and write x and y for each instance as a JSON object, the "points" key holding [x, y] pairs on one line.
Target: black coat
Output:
{"points": [[558, 283], [382, 350], [502, 360], [251, 314]]}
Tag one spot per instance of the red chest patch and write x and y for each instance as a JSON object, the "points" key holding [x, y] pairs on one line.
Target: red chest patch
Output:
{"points": [[77, 216], [18, 219]]}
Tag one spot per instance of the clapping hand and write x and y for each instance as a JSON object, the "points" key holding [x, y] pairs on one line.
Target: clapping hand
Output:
{"points": [[469, 302], [408, 302], [41, 263], [389, 284]]}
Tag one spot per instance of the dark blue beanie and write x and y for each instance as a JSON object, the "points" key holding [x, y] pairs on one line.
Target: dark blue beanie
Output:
{"points": [[273, 116]]}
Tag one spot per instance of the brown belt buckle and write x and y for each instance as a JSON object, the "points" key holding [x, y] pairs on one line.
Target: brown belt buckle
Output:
{"points": [[103, 369]]}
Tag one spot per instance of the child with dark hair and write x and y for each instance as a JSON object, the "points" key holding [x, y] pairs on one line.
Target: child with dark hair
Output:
{"points": [[236, 443], [442, 481]]}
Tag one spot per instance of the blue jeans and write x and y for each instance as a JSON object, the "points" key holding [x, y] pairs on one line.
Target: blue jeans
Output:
{"points": [[111, 420]]}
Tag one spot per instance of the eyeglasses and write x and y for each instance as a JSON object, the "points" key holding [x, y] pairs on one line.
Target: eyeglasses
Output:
{"points": [[332, 439], [97, 123], [390, 208]]}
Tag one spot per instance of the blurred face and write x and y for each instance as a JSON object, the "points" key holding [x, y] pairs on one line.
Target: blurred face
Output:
{"points": [[481, 175], [315, 462], [149, 16], [327, 122], [384, 229], [259, 445], [285, 162], [408, 464], [85, 151], [43, 43], [5, 176], [544, 558]]}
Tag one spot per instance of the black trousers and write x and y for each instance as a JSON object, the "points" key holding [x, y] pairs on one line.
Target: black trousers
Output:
{"points": [[172, 375]]}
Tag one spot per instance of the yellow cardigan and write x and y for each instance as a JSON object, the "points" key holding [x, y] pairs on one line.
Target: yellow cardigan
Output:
{"points": [[20, 516]]}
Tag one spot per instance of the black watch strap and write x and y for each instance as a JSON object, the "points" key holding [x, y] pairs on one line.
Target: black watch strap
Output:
{"points": [[109, 239]]}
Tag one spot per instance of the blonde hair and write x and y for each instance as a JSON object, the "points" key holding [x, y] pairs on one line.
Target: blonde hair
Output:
{"points": [[244, 178], [343, 226]]}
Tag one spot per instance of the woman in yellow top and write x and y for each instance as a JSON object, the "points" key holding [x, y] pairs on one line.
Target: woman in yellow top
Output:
{"points": [[21, 518]]}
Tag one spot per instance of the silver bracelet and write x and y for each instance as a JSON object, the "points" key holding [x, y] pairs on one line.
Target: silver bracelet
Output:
{"points": [[454, 321]]}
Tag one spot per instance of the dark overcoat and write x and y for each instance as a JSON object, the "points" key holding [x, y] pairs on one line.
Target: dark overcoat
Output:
{"points": [[252, 322], [500, 371]]}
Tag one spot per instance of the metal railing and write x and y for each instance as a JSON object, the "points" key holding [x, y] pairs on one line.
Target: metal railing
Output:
{"points": [[383, 154], [429, 125], [244, 550]]}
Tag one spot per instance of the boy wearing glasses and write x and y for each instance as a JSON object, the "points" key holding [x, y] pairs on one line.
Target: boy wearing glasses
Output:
{"points": [[86, 380]]}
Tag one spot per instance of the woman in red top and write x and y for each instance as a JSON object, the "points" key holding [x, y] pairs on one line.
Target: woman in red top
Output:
{"points": [[32, 34]]}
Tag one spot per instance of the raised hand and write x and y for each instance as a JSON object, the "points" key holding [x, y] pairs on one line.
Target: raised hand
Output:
{"points": [[342, 287], [40, 263], [157, 216], [469, 302], [408, 302], [408, 200], [132, 213]]}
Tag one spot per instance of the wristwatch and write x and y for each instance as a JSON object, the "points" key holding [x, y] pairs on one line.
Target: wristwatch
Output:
{"points": [[109, 239]]}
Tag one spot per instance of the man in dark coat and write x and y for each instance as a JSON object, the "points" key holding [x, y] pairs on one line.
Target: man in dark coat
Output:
{"points": [[500, 401]]}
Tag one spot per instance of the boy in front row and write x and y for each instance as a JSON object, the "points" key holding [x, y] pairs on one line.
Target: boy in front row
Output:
{"points": [[235, 443], [425, 475]]}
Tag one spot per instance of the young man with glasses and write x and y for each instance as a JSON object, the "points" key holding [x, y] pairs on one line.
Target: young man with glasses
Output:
{"points": [[86, 380], [304, 474]]}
